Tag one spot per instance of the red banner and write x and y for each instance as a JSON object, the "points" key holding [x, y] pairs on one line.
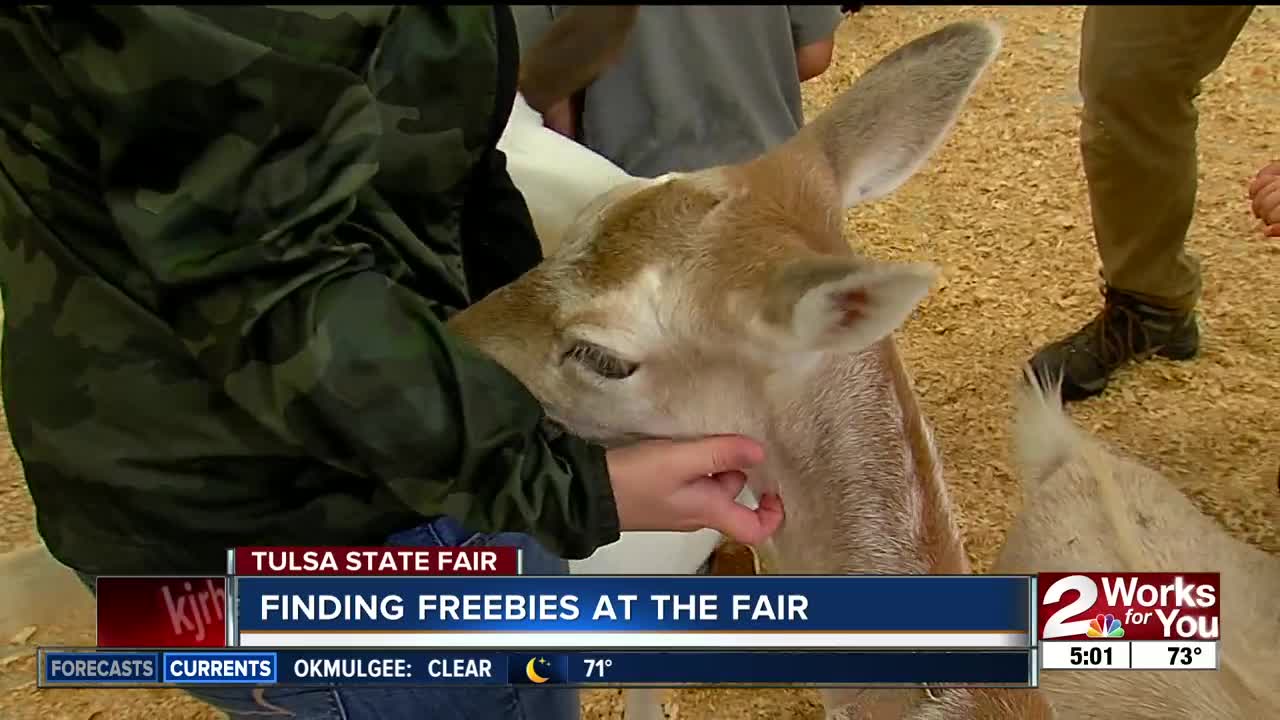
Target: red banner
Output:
{"points": [[376, 561], [1128, 606], [162, 612]]}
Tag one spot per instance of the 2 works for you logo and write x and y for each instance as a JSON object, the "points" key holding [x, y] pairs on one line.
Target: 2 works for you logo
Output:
{"points": [[1128, 606]]}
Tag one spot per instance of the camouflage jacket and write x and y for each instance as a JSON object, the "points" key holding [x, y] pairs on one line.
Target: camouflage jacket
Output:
{"points": [[229, 240]]}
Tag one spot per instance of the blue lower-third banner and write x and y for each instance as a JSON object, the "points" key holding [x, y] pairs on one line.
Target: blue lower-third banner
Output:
{"points": [[641, 613], [150, 668]]}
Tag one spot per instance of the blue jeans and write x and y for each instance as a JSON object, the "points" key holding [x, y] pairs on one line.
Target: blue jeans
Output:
{"points": [[412, 703]]}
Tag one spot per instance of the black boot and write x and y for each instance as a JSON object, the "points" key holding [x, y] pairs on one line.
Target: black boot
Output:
{"points": [[1126, 330]]}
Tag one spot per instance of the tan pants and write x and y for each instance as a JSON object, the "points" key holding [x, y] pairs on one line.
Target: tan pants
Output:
{"points": [[1140, 72]]}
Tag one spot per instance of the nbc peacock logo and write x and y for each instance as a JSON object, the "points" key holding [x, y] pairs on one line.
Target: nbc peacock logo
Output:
{"points": [[1105, 626]]}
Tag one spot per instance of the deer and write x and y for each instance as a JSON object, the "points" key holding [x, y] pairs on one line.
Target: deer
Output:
{"points": [[1087, 507], [727, 300], [1115, 513], [558, 178]]}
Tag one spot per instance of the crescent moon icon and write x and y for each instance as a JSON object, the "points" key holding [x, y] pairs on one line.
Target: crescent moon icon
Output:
{"points": [[533, 674]]}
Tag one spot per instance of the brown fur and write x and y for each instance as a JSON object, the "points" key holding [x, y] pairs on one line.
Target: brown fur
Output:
{"points": [[1086, 507], [745, 310], [941, 541]]}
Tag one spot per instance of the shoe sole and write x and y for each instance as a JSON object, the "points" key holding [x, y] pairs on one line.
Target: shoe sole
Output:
{"points": [[1178, 353], [1073, 392]]}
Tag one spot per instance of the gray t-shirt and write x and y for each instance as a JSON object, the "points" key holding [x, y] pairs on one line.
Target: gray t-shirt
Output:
{"points": [[696, 85]]}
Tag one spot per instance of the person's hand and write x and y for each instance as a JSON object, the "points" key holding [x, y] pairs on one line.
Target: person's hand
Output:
{"points": [[690, 485], [1264, 193]]}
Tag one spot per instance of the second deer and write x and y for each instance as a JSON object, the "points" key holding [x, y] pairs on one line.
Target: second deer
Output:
{"points": [[1086, 507]]}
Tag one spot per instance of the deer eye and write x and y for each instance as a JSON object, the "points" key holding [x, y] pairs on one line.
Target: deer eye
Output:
{"points": [[601, 361]]}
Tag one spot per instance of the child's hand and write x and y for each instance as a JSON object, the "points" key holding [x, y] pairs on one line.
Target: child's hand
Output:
{"points": [[690, 485], [1264, 193]]}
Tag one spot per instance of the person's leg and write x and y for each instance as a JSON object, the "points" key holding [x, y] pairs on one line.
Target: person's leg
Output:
{"points": [[522, 703], [372, 703], [1140, 71]]}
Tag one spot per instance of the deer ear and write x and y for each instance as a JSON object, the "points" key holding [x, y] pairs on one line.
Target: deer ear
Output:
{"points": [[879, 132], [828, 303]]}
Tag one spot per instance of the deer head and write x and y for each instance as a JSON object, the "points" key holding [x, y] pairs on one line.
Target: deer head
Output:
{"points": [[673, 302]]}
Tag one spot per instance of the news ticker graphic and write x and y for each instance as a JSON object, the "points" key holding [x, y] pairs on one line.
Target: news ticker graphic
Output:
{"points": [[473, 598], [363, 561], [158, 668], [1129, 606], [591, 612], [193, 611], [1129, 655], [162, 612], [567, 612]]}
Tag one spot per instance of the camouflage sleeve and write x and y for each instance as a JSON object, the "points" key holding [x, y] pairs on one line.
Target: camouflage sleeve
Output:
{"points": [[501, 243], [235, 190]]}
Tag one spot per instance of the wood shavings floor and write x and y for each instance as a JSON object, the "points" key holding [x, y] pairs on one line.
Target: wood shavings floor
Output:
{"points": [[1002, 208]]}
